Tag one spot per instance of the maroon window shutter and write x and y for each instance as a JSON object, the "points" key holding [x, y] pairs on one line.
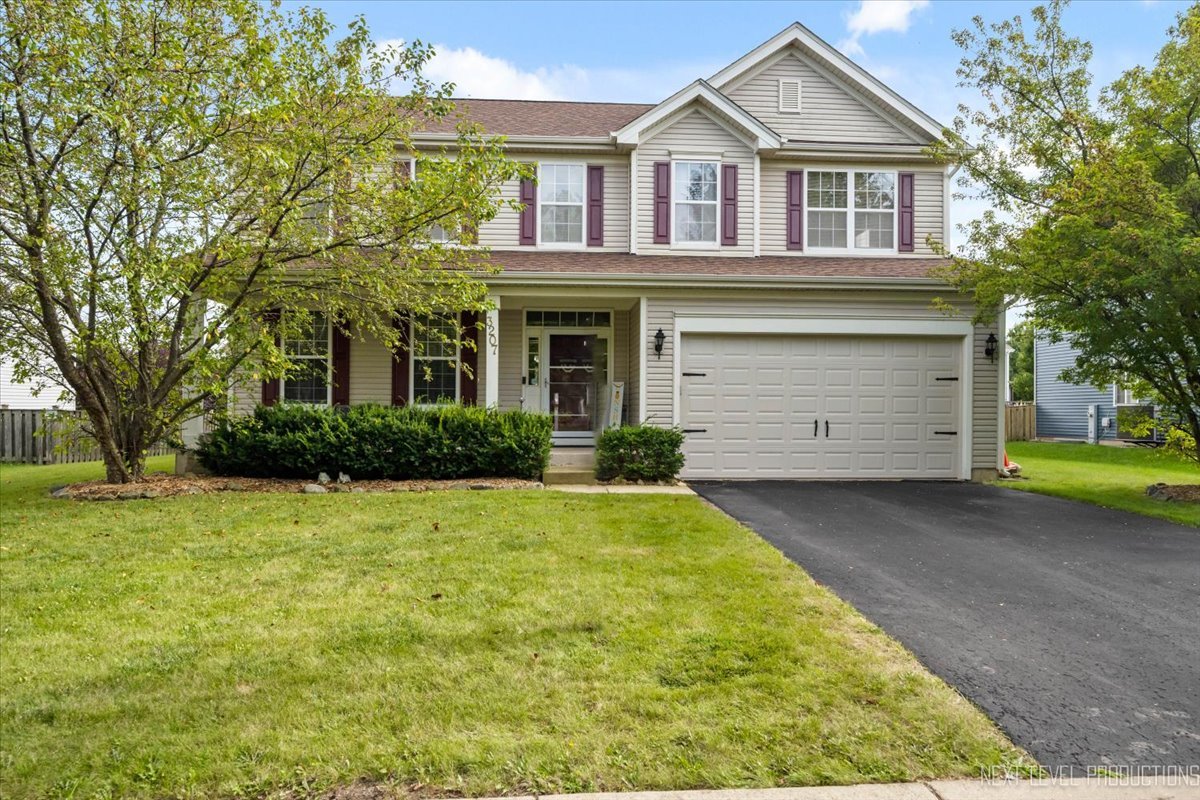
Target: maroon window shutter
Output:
{"points": [[529, 215], [907, 201], [341, 366], [729, 209], [595, 206], [469, 381], [662, 202], [795, 210], [270, 389], [400, 362]]}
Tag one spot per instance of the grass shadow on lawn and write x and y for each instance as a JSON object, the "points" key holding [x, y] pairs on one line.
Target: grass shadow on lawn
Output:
{"points": [[448, 643]]}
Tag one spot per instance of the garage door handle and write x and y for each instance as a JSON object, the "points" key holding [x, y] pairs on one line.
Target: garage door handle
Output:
{"points": [[945, 379], [815, 424], [692, 374], [826, 429], [946, 433], [695, 430]]}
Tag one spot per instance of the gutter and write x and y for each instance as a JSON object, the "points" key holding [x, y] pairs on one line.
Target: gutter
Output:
{"points": [[633, 279]]}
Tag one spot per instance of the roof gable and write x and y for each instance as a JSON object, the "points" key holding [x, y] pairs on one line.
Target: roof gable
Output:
{"points": [[701, 94], [836, 67]]}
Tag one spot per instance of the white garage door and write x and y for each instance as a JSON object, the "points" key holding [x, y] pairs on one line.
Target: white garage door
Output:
{"points": [[820, 406]]}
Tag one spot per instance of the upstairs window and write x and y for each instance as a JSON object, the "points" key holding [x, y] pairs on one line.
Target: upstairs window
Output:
{"points": [[694, 188], [560, 203], [308, 351], [789, 96], [435, 360], [436, 232], [841, 218]]}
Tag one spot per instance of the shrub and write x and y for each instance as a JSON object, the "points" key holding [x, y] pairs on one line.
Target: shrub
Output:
{"points": [[369, 441], [639, 452]]}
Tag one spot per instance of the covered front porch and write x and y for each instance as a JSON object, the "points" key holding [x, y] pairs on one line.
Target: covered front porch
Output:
{"points": [[576, 359]]}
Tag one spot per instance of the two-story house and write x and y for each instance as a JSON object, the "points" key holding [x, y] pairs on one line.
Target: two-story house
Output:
{"points": [[747, 259]]}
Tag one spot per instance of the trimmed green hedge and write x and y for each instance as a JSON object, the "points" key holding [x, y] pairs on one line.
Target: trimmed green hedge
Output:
{"points": [[639, 452], [371, 441]]}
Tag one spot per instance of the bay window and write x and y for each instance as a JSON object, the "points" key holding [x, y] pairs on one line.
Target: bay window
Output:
{"points": [[435, 360], [560, 203], [843, 218], [694, 204], [308, 352]]}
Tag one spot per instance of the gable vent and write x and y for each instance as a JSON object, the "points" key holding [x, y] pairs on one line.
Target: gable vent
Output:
{"points": [[789, 96]]}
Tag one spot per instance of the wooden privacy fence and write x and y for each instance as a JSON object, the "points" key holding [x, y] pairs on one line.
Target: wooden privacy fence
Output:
{"points": [[48, 437], [1020, 422]]}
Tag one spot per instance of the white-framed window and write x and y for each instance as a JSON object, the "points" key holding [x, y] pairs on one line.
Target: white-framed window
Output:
{"points": [[308, 381], [437, 232], [850, 210], [789, 96], [561, 197], [694, 193], [1124, 396], [435, 358]]}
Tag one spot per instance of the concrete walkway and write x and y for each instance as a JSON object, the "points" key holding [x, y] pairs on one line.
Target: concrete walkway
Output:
{"points": [[1162, 788], [597, 488]]}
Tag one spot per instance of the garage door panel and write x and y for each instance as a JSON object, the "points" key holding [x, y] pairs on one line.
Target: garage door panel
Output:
{"points": [[759, 397]]}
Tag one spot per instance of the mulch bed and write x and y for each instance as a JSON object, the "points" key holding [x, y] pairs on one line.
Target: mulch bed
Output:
{"points": [[1182, 493], [163, 485]]}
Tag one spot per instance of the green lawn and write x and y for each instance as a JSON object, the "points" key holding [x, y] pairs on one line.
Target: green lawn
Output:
{"points": [[446, 643], [1116, 477]]}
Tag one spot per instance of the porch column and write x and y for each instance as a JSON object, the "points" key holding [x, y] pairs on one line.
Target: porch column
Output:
{"points": [[491, 354]]}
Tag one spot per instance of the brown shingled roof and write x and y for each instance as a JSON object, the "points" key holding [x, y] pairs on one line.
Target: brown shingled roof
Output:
{"points": [[600, 264], [543, 117]]}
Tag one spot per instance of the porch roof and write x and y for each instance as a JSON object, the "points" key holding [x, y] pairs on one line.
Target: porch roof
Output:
{"points": [[626, 264]]}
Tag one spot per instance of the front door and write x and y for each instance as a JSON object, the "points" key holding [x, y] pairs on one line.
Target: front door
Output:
{"points": [[576, 383]]}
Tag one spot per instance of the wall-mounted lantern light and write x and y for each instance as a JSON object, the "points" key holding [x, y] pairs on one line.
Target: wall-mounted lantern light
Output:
{"points": [[659, 339], [990, 349]]}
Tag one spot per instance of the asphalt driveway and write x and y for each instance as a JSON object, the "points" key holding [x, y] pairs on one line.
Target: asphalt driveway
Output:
{"points": [[1076, 628]]}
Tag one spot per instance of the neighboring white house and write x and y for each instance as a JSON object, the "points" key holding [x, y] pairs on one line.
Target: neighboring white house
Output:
{"points": [[750, 258], [17, 395]]}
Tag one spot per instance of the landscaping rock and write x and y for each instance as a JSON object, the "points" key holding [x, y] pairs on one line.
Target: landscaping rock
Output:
{"points": [[234, 486], [358, 489], [1167, 493], [343, 477], [313, 488], [481, 486], [323, 478], [60, 492]]}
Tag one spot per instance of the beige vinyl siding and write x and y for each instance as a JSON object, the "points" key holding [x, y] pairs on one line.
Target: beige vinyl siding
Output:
{"points": [[695, 131], [661, 310], [370, 371], [503, 232], [512, 356], [929, 203], [632, 385], [829, 112], [928, 217]]}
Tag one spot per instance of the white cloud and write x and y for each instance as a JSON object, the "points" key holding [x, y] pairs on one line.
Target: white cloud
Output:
{"points": [[477, 74], [877, 16]]}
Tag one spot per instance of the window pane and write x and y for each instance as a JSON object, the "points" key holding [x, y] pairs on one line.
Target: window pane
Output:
{"points": [[561, 183], [696, 180], [562, 224], [434, 381], [874, 229], [436, 337], [875, 190], [826, 189], [827, 228], [602, 319], [695, 222], [313, 340], [307, 382], [533, 318]]}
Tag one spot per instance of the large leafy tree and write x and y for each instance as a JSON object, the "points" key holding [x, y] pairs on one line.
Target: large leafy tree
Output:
{"points": [[1020, 362], [1096, 198], [174, 171]]}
